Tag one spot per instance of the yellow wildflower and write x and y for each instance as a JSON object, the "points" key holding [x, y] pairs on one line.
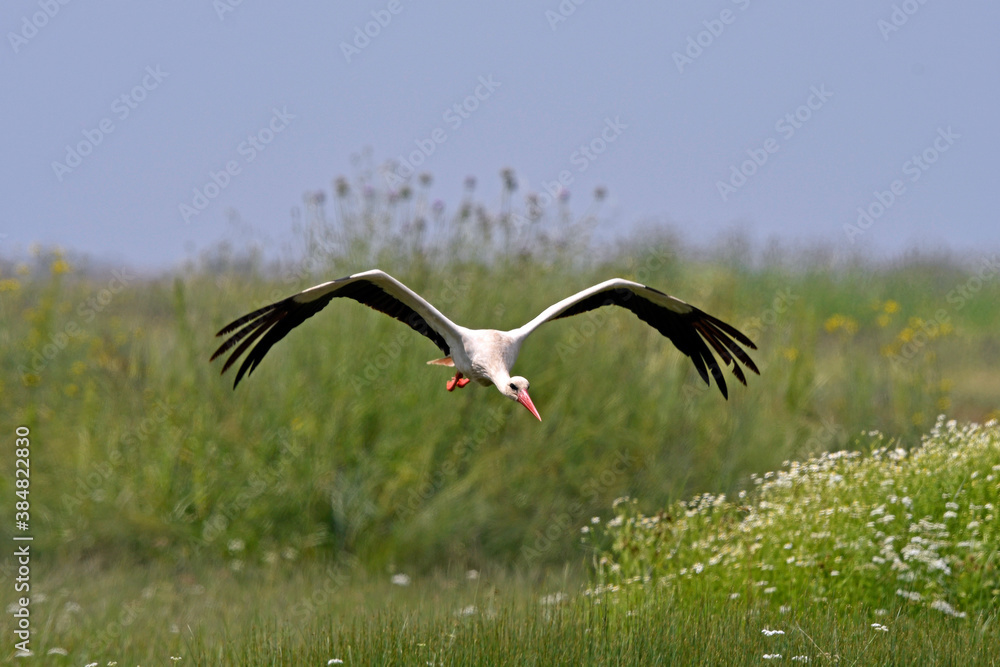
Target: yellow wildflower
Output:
{"points": [[833, 323], [838, 321]]}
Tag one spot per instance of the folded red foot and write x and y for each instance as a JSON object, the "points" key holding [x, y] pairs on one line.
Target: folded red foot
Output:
{"points": [[457, 381]]}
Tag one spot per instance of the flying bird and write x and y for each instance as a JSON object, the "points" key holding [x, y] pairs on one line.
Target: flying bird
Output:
{"points": [[487, 355]]}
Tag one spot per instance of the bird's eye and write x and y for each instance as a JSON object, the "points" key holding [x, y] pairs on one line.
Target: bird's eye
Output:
{"points": [[513, 386]]}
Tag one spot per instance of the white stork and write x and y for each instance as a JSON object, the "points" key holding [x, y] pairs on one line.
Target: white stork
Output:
{"points": [[487, 355]]}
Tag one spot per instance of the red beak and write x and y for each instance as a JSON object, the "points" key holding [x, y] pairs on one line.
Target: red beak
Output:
{"points": [[525, 400]]}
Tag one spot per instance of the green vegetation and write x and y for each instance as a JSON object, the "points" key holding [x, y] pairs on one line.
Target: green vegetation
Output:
{"points": [[888, 529], [151, 476]]}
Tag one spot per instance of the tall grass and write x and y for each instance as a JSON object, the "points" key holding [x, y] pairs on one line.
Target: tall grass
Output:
{"points": [[883, 529], [176, 518], [312, 614], [345, 442]]}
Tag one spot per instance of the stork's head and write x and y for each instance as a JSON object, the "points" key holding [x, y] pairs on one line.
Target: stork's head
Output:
{"points": [[516, 389]]}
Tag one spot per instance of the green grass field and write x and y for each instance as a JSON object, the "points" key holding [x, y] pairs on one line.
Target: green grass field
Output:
{"points": [[174, 517]]}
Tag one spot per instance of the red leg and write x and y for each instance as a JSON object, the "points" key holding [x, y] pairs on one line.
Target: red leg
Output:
{"points": [[457, 381]]}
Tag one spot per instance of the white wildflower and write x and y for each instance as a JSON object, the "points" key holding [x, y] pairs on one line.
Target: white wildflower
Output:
{"points": [[946, 608]]}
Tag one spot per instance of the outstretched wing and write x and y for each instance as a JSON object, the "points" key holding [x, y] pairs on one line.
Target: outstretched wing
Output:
{"points": [[691, 330], [375, 289]]}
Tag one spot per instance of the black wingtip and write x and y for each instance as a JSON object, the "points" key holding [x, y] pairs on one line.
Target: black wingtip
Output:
{"points": [[720, 380]]}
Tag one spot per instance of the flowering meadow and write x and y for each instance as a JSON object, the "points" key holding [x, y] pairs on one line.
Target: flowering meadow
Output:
{"points": [[341, 505], [884, 530]]}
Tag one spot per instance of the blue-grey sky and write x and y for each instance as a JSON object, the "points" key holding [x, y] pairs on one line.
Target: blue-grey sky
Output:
{"points": [[116, 113]]}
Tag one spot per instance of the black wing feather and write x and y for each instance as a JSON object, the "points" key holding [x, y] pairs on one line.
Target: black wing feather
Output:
{"points": [[688, 332], [267, 325]]}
